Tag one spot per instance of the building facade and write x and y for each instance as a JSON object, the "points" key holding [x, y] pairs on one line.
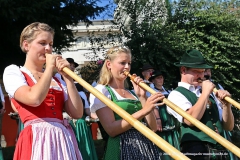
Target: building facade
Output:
{"points": [[84, 50]]}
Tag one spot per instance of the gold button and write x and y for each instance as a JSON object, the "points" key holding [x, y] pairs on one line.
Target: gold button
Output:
{"points": [[210, 113], [54, 113], [52, 108]]}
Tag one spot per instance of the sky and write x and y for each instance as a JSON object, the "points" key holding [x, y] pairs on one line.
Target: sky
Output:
{"points": [[108, 14]]}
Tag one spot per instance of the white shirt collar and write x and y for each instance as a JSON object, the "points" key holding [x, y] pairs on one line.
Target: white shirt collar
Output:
{"points": [[191, 88], [187, 86]]}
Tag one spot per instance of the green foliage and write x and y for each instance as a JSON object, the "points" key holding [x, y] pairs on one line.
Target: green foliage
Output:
{"points": [[160, 37], [148, 39], [212, 28], [59, 14]]}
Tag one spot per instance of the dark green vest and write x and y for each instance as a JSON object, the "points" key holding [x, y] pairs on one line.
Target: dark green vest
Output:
{"points": [[210, 118]]}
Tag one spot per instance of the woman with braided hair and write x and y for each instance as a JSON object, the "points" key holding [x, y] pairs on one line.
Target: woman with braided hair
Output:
{"points": [[41, 98]]}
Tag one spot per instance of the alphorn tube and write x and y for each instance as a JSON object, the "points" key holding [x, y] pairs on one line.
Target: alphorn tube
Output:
{"points": [[231, 147], [173, 152], [228, 99]]}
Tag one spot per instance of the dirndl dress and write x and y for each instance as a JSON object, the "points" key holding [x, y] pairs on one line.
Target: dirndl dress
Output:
{"points": [[45, 135], [84, 139], [170, 126], [169, 132], [130, 144]]}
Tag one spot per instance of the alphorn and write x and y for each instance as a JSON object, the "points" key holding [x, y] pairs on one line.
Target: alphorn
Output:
{"points": [[227, 98], [230, 100], [173, 152], [231, 147]]}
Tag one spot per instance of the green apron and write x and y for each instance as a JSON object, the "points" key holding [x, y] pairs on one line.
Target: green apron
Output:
{"points": [[84, 139]]}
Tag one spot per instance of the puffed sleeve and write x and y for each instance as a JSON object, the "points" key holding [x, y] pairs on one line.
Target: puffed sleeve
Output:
{"points": [[95, 103], [13, 79]]}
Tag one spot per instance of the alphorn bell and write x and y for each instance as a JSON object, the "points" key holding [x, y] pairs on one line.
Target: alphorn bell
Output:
{"points": [[173, 152], [231, 147]]}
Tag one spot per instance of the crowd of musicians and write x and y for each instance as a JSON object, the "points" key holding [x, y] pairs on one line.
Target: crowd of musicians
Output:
{"points": [[40, 92]]}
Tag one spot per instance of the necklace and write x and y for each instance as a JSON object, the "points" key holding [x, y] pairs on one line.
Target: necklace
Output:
{"points": [[123, 92], [119, 90], [36, 76]]}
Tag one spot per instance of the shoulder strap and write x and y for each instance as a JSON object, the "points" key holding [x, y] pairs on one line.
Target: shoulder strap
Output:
{"points": [[28, 79], [59, 83], [113, 96]]}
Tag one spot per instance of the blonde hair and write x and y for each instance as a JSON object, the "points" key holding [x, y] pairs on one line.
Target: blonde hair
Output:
{"points": [[31, 31], [105, 74]]}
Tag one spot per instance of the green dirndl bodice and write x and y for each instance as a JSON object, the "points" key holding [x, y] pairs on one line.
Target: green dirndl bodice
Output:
{"points": [[113, 143], [84, 139], [113, 149]]}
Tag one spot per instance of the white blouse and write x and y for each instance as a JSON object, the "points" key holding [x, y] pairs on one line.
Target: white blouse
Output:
{"points": [[13, 79], [96, 104]]}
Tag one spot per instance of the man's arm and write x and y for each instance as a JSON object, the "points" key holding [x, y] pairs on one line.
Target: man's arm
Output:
{"points": [[227, 115], [228, 118], [197, 110], [181, 101]]}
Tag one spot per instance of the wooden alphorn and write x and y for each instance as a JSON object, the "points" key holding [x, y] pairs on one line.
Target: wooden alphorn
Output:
{"points": [[231, 147], [227, 98], [173, 152]]}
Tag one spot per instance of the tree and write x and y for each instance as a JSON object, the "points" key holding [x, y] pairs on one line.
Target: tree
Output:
{"points": [[59, 14], [212, 27], [209, 26], [145, 34]]}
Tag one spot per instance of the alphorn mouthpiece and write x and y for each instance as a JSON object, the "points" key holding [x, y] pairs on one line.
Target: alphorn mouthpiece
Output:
{"points": [[129, 75]]}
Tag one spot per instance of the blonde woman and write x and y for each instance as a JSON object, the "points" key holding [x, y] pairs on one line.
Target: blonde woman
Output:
{"points": [[40, 99], [124, 141]]}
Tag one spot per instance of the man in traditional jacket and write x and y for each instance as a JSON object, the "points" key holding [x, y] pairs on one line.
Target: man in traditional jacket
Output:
{"points": [[198, 102]]}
